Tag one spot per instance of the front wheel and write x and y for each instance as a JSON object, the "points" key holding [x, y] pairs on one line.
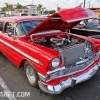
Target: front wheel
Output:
{"points": [[31, 74]]}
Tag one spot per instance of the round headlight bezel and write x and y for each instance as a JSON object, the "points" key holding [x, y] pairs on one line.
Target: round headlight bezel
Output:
{"points": [[55, 62]]}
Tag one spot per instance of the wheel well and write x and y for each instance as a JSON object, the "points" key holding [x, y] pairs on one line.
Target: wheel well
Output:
{"points": [[22, 63]]}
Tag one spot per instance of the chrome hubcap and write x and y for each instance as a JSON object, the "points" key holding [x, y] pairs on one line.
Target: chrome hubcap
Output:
{"points": [[30, 74]]}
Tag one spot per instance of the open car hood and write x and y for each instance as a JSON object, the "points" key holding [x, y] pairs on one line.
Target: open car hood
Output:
{"points": [[63, 20]]}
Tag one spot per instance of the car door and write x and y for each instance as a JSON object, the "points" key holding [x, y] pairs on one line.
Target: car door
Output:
{"points": [[7, 41], [1, 28]]}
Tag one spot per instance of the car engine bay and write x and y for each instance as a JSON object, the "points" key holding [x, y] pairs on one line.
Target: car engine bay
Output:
{"points": [[72, 49], [56, 41]]}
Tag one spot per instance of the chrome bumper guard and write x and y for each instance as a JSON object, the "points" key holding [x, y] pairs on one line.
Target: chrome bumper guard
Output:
{"points": [[70, 82]]}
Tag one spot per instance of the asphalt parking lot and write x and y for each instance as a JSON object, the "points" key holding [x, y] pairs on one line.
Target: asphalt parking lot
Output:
{"points": [[14, 80]]}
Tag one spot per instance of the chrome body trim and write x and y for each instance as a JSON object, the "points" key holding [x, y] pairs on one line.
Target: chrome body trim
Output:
{"points": [[57, 89], [21, 52], [91, 30], [55, 70], [42, 77]]}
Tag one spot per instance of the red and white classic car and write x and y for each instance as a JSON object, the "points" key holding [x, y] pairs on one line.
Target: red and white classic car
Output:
{"points": [[53, 58]]}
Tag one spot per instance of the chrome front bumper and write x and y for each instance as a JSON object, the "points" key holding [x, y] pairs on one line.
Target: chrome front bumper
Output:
{"points": [[57, 89]]}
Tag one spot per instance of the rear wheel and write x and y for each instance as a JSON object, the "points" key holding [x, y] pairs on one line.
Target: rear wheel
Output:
{"points": [[31, 74]]}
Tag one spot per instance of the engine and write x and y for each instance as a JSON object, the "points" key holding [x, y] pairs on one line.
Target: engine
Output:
{"points": [[72, 49], [58, 43]]}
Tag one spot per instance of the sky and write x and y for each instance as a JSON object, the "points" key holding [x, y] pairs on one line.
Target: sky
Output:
{"points": [[52, 4]]}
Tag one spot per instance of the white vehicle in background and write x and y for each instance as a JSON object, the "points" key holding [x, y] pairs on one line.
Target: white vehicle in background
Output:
{"points": [[45, 15]]}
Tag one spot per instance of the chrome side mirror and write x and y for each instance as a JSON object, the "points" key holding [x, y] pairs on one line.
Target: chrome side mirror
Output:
{"points": [[10, 34]]}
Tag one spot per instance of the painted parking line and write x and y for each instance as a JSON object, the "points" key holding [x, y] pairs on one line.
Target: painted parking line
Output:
{"points": [[6, 90]]}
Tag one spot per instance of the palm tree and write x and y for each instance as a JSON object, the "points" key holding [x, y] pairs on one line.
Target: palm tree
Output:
{"points": [[4, 9], [39, 7], [10, 7], [18, 6], [7, 7]]}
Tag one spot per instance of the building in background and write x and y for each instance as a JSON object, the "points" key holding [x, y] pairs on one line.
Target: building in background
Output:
{"points": [[32, 9], [96, 11], [28, 9]]}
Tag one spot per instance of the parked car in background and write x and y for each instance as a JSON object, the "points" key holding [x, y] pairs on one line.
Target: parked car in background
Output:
{"points": [[4, 15], [88, 27], [32, 14], [23, 14], [52, 58], [45, 15]]}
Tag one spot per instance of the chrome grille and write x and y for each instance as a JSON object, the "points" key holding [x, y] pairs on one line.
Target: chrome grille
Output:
{"points": [[69, 70], [72, 54], [76, 68]]}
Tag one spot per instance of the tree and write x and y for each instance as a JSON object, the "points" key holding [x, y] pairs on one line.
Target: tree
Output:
{"points": [[4, 9], [18, 6], [39, 7], [7, 7], [50, 11], [10, 7]]}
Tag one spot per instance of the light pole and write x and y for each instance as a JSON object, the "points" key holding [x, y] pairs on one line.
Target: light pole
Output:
{"points": [[32, 7], [89, 4], [57, 7], [84, 3], [32, 2]]}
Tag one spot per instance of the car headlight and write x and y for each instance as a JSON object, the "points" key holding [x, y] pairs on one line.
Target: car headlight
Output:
{"points": [[55, 62]]}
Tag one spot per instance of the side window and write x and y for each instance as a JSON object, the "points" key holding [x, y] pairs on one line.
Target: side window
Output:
{"points": [[19, 30], [1, 26], [9, 28]]}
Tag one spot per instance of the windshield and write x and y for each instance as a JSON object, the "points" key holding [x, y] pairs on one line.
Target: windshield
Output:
{"points": [[93, 23], [24, 27]]}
